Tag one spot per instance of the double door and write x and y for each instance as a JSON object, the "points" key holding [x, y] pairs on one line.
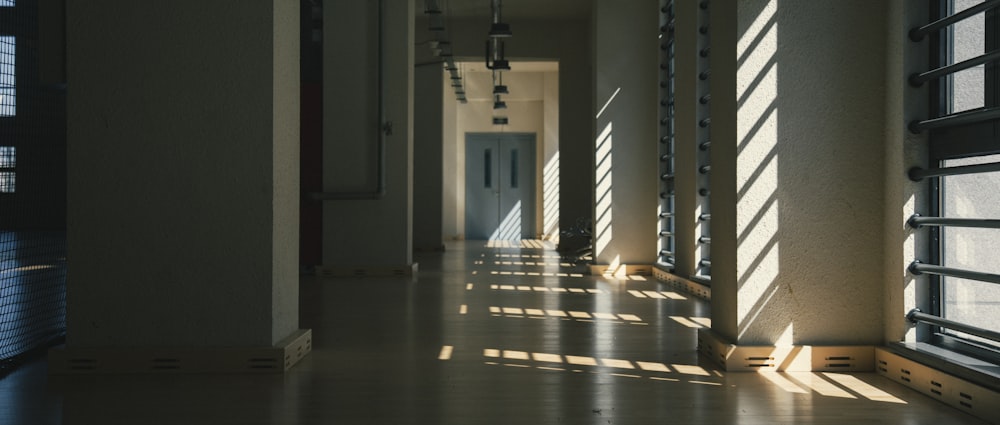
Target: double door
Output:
{"points": [[499, 186]]}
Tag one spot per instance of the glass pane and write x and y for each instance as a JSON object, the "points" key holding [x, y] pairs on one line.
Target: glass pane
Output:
{"points": [[8, 157], [488, 169], [971, 196], [513, 168], [968, 40], [7, 183], [8, 98], [6, 3]]}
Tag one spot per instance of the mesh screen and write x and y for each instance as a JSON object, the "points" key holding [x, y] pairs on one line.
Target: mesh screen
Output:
{"points": [[32, 192]]}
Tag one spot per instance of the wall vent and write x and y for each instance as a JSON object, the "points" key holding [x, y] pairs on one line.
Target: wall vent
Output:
{"points": [[956, 392]]}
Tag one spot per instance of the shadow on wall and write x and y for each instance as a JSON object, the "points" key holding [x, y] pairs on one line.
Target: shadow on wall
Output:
{"points": [[808, 154]]}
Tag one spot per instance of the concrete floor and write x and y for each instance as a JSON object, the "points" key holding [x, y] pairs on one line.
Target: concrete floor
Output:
{"points": [[483, 336]]}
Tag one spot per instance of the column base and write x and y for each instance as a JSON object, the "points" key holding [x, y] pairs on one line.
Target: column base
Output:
{"points": [[697, 289], [787, 358], [621, 270], [259, 360], [367, 271]]}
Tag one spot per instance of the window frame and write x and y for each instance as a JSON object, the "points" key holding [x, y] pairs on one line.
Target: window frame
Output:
{"points": [[943, 144]]}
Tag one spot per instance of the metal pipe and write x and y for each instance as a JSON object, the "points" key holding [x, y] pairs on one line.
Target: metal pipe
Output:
{"points": [[916, 221], [918, 79], [961, 118], [384, 129], [917, 173], [917, 34], [917, 316], [918, 268]]}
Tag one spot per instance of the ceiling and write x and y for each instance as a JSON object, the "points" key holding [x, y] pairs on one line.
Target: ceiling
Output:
{"points": [[515, 9]]}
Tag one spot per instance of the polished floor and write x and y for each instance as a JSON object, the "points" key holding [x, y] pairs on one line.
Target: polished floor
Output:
{"points": [[486, 335]]}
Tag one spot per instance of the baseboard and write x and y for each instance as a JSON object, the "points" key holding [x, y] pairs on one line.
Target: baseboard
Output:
{"points": [[621, 270], [367, 271], [439, 248], [697, 289], [113, 360], [792, 358], [968, 397]]}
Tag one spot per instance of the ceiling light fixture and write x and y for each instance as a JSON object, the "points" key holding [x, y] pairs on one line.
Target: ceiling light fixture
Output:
{"points": [[495, 58]]}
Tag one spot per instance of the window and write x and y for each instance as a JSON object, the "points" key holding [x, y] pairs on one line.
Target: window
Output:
{"points": [[8, 96], [6, 3], [963, 177], [666, 149], [8, 160]]}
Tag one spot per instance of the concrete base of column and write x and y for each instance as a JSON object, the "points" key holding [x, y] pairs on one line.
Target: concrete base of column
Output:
{"points": [[785, 358], [113, 360]]}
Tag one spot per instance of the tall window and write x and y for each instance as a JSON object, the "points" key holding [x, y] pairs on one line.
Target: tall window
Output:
{"points": [[8, 161], [963, 174], [666, 151], [8, 95]]}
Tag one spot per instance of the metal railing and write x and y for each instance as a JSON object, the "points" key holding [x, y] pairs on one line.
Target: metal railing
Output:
{"points": [[917, 221], [917, 316], [918, 268], [917, 173], [918, 34]]}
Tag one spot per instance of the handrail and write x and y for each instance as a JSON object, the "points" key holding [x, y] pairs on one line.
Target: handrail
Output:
{"points": [[917, 173], [918, 268], [917, 221], [917, 34], [917, 316], [917, 79], [962, 118]]}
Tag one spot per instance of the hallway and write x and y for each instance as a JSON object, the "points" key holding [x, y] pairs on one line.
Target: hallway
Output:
{"points": [[532, 341]]}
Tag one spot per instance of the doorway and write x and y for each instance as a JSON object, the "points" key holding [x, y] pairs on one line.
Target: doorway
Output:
{"points": [[500, 186]]}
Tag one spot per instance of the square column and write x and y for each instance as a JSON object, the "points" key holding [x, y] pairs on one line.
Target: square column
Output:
{"points": [[183, 182]]}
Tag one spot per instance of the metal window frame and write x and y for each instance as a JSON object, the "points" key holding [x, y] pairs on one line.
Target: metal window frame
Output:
{"points": [[953, 142]]}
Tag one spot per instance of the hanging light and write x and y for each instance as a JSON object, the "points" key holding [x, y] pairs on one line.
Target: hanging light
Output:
{"points": [[498, 87], [495, 58]]}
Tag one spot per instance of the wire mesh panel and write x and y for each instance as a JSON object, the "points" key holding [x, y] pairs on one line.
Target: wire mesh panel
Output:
{"points": [[32, 192]]}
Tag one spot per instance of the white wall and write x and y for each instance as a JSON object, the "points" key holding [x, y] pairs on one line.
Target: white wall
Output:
{"points": [[565, 41], [183, 173], [797, 164], [526, 113], [625, 63], [351, 129]]}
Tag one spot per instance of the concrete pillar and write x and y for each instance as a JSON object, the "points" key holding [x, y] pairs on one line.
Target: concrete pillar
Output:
{"points": [[183, 174], [428, 157], [625, 221], [797, 165], [687, 65], [374, 235]]}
